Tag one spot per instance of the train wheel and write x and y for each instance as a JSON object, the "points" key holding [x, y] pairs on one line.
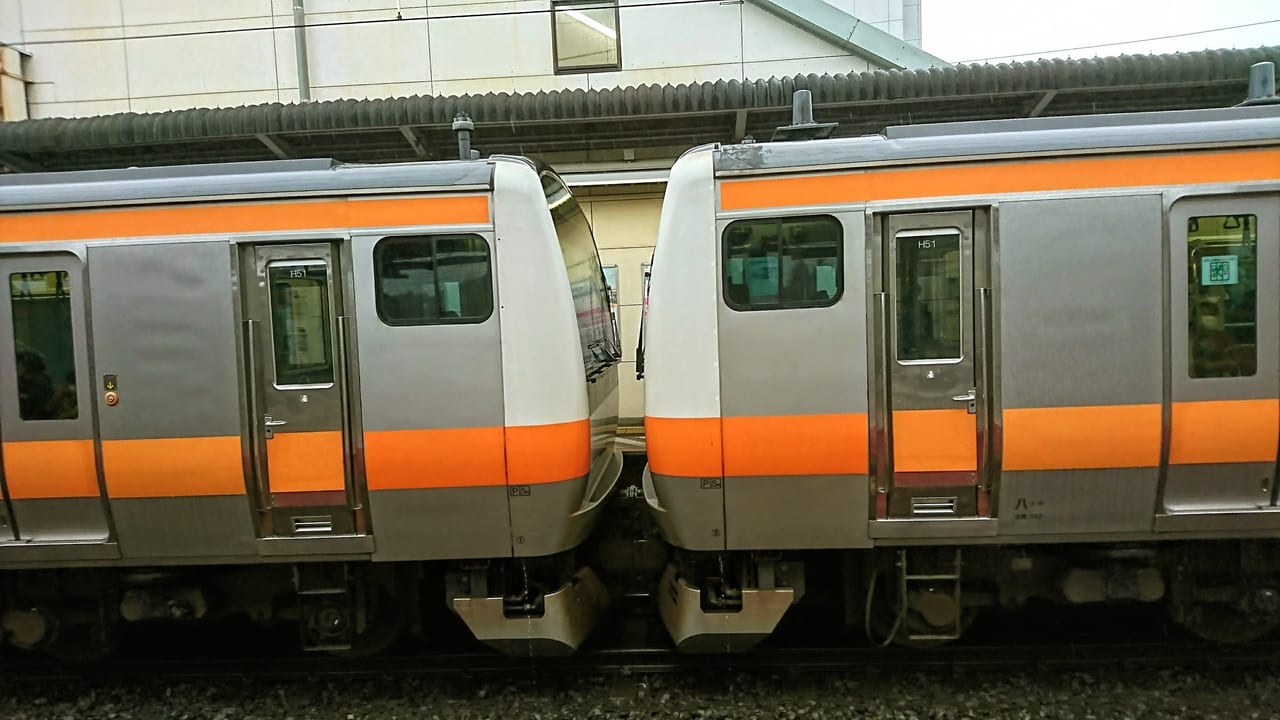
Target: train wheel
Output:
{"points": [[1242, 619], [81, 643], [383, 625], [927, 618]]}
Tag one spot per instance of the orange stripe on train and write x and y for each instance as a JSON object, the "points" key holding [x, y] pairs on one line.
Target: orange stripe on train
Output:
{"points": [[933, 441], [173, 467], [1000, 177], [1052, 438], [768, 445], [477, 457], [244, 217], [1225, 431], [50, 469], [306, 462], [1083, 437]]}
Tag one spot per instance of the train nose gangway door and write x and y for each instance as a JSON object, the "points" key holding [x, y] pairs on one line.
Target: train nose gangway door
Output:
{"points": [[296, 347], [931, 327]]}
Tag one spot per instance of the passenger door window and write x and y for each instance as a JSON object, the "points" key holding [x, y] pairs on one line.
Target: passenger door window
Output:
{"points": [[44, 345], [1222, 295]]}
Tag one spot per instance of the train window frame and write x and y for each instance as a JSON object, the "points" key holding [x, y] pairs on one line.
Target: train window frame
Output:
{"points": [[781, 303], [566, 7], [1216, 299], [69, 388], [432, 238]]}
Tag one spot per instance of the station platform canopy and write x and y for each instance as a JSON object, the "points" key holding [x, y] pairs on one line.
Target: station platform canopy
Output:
{"points": [[644, 126]]}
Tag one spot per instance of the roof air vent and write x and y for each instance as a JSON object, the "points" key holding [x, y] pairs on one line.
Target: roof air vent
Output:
{"points": [[802, 126], [1262, 85]]}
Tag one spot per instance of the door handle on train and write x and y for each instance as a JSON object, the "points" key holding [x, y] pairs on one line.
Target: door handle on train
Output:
{"points": [[269, 422], [970, 397]]}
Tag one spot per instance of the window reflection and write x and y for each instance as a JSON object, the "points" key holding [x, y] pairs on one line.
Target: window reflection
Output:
{"points": [[1222, 294], [300, 322], [44, 360], [928, 307], [433, 280], [782, 263]]}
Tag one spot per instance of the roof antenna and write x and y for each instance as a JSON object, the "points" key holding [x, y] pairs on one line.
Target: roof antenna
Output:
{"points": [[463, 126], [802, 126], [1262, 85]]}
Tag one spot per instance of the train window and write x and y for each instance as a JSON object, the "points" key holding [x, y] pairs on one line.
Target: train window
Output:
{"points": [[585, 35], [300, 322], [777, 263], [927, 284], [433, 280], [597, 328], [45, 349], [1222, 294]]}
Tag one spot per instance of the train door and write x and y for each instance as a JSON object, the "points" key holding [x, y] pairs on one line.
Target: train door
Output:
{"points": [[1224, 319], [51, 477], [296, 346], [930, 365]]}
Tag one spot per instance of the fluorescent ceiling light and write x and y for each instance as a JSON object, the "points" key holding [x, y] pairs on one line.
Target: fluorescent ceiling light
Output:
{"points": [[594, 25]]}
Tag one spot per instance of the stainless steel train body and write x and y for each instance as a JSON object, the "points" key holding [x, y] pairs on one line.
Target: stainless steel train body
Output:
{"points": [[302, 366], [945, 344]]}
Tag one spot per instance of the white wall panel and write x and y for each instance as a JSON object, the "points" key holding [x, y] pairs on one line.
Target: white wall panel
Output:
{"points": [[366, 54], [491, 47], [202, 64], [11, 25], [366, 92], [68, 15], [76, 109], [679, 35], [662, 76], [386, 8], [819, 66], [454, 8], [205, 100], [532, 83], [626, 222], [768, 37], [77, 72], [153, 12]]}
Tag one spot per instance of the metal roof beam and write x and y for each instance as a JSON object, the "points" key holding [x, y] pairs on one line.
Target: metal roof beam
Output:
{"points": [[1042, 102], [278, 147], [415, 141], [861, 38], [17, 164]]}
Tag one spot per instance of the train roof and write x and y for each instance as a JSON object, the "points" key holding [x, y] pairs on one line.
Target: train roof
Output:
{"points": [[238, 180], [1246, 125]]}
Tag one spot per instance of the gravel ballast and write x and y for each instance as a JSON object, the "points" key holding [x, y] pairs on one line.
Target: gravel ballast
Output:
{"points": [[1232, 694]]}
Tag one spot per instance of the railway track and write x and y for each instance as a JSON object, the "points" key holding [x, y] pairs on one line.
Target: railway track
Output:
{"points": [[651, 661]]}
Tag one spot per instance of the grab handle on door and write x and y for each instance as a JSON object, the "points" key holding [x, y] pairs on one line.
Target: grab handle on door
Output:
{"points": [[970, 397], [269, 422]]}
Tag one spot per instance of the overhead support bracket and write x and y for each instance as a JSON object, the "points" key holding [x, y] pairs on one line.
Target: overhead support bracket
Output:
{"points": [[740, 125], [415, 141], [1042, 102], [17, 164], [843, 30], [277, 146]]}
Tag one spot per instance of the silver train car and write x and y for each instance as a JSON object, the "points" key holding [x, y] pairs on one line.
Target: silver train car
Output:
{"points": [[980, 363], [305, 391]]}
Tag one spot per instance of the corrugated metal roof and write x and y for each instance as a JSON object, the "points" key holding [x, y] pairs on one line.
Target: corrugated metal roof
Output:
{"points": [[686, 113]]}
